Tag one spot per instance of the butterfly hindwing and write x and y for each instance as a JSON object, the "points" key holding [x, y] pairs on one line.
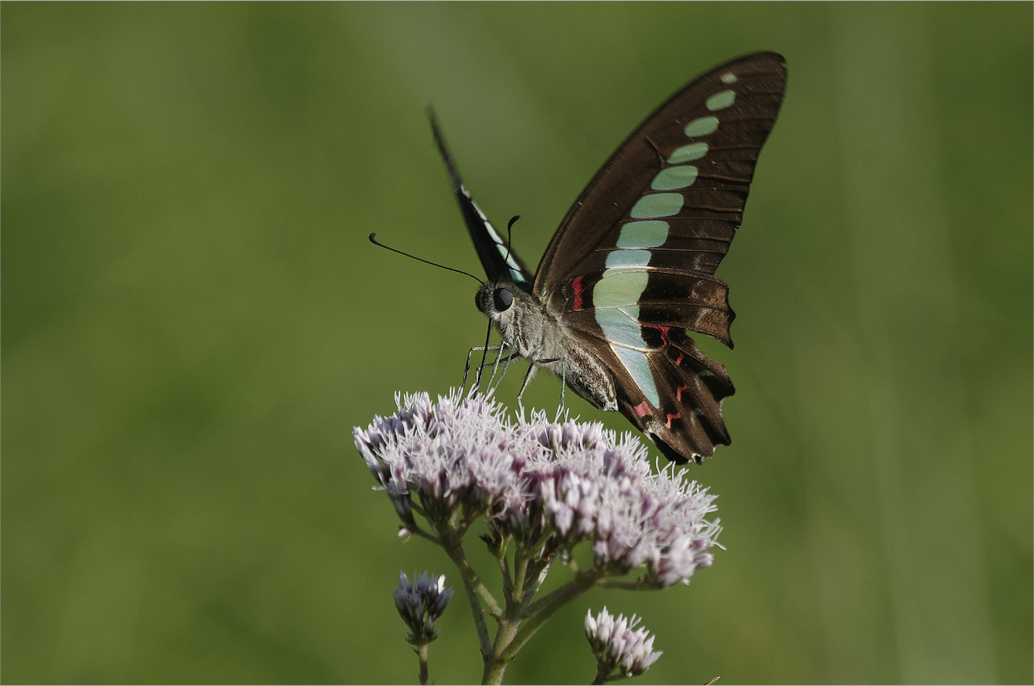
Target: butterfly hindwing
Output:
{"points": [[667, 297], [666, 386], [691, 389]]}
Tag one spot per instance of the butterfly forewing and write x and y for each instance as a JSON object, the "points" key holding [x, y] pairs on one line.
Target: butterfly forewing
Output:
{"points": [[496, 256], [630, 271], [681, 180]]}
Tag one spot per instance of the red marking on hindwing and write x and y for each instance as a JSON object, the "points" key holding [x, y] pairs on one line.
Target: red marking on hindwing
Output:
{"points": [[678, 361], [577, 285], [678, 393], [662, 329], [672, 416], [642, 409]]}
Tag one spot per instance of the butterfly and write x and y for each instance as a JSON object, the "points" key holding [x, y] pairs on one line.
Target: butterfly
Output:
{"points": [[628, 277]]}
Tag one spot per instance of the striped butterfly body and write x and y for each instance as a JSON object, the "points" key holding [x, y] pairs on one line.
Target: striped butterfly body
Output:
{"points": [[629, 275]]}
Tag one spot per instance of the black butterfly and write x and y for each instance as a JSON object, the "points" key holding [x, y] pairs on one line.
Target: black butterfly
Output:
{"points": [[629, 275]]}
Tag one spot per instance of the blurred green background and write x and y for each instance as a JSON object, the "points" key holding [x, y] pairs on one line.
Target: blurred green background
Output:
{"points": [[193, 321]]}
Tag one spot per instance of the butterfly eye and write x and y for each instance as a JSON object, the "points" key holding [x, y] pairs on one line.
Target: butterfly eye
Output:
{"points": [[503, 299]]}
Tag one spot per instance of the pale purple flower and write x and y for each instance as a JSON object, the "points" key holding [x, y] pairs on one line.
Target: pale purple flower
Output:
{"points": [[420, 604], [618, 645], [456, 454], [461, 458]]}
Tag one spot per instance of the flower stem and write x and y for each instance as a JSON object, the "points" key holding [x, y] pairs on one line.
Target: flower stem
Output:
{"points": [[538, 612], [421, 652], [537, 573], [477, 593], [637, 585], [520, 570], [499, 658]]}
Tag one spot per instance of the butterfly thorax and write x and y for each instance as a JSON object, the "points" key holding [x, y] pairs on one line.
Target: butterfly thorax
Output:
{"points": [[535, 334]]}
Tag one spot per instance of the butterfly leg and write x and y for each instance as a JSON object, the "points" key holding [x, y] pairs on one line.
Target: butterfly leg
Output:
{"points": [[563, 387], [527, 379], [563, 384], [495, 367], [466, 369], [497, 377], [506, 365]]}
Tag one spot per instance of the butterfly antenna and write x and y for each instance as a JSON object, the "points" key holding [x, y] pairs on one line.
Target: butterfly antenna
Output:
{"points": [[373, 239], [509, 238]]}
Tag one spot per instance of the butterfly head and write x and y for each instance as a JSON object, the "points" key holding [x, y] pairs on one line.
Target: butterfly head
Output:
{"points": [[505, 303], [495, 299]]}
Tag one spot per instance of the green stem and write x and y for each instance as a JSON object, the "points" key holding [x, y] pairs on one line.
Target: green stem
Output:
{"points": [[504, 570], [520, 573], [538, 612], [499, 658], [477, 593], [421, 652], [637, 585], [511, 634], [423, 534], [538, 572]]}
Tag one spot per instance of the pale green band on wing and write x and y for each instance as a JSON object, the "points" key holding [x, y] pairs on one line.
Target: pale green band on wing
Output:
{"points": [[729, 77], [619, 289], [508, 256], [674, 177], [621, 327], [657, 205], [618, 259], [688, 153], [648, 234], [505, 253], [623, 332], [720, 100], [702, 126], [639, 368]]}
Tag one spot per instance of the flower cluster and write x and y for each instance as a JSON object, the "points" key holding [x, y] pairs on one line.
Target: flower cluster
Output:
{"points": [[460, 459], [420, 604], [618, 645]]}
